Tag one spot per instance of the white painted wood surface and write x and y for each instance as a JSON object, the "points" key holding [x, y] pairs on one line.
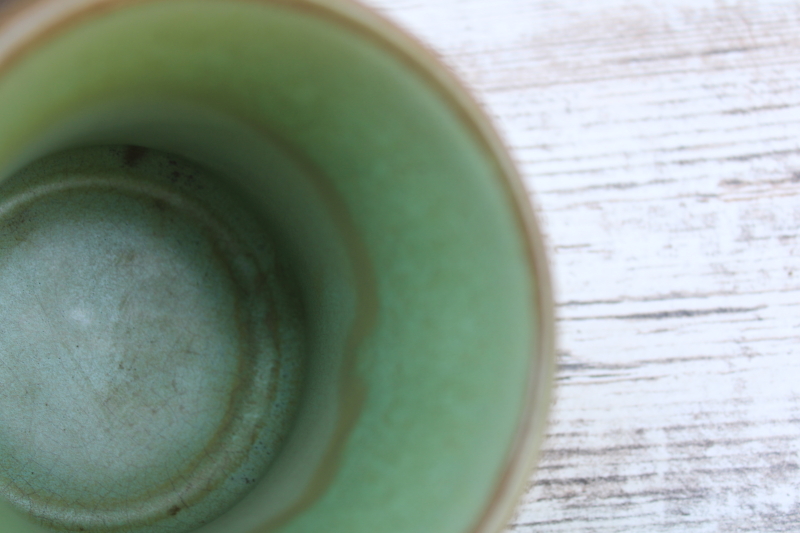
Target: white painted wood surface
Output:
{"points": [[661, 142]]}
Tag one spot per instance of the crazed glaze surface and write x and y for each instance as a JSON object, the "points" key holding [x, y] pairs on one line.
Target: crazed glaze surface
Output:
{"points": [[150, 354]]}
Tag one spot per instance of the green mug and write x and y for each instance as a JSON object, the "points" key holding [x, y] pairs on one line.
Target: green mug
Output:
{"points": [[264, 267]]}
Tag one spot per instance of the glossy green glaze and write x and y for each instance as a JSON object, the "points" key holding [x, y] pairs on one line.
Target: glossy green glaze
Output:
{"points": [[422, 320]]}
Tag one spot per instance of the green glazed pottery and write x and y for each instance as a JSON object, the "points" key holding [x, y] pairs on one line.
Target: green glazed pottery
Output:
{"points": [[264, 267]]}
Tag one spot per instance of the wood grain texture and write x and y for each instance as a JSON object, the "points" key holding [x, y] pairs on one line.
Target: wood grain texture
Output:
{"points": [[661, 142]]}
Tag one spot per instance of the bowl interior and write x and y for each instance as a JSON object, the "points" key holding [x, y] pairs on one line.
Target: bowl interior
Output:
{"points": [[387, 267]]}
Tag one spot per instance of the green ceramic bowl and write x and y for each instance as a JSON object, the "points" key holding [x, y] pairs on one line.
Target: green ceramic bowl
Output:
{"points": [[264, 267]]}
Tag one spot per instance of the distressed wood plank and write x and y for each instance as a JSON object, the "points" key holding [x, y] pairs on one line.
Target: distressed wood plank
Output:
{"points": [[660, 141]]}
